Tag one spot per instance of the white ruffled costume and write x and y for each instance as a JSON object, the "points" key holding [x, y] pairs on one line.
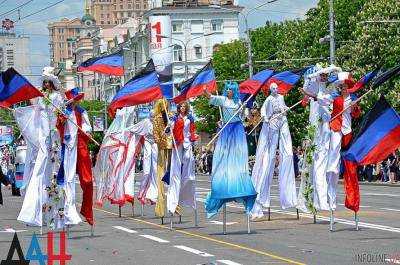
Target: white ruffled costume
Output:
{"points": [[275, 131]]}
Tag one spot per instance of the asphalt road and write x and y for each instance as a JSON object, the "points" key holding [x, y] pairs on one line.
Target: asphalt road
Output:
{"points": [[282, 240]]}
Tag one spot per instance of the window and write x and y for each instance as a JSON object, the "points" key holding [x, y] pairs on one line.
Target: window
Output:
{"points": [[177, 27], [178, 53], [198, 52], [197, 26], [216, 25]]}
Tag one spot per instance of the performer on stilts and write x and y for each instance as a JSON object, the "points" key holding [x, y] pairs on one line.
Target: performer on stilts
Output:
{"points": [[320, 103], [230, 180], [148, 192], [75, 157], [164, 145], [275, 131], [341, 132], [44, 200], [181, 189]]}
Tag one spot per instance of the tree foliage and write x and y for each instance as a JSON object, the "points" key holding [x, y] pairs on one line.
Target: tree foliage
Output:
{"points": [[361, 47]]}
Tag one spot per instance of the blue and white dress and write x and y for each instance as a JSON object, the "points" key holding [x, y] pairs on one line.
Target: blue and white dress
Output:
{"points": [[230, 180]]}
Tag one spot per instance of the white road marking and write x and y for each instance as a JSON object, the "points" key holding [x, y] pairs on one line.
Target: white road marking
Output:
{"points": [[160, 240], [125, 229], [227, 262], [221, 223], [381, 194], [319, 217], [390, 209], [10, 230], [194, 251], [393, 261]]}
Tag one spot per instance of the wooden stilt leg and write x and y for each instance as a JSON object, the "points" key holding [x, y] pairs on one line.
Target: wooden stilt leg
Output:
{"points": [[298, 214], [331, 222], [119, 211], [269, 213]]}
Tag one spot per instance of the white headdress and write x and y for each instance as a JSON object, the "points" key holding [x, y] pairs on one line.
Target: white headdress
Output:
{"points": [[48, 74]]}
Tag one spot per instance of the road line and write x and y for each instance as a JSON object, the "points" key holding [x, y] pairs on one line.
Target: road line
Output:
{"points": [[390, 209], [221, 223], [382, 194], [154, 238], [125, 229], [194, 251], [227, 262], [320, 217], [211, 239]]}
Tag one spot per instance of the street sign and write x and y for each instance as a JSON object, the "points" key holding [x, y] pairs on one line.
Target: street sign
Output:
{"points": [[6, 135], [98, 124], [7, 24]]}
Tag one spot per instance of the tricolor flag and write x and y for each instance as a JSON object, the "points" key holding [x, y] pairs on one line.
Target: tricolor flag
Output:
{"points": [[285, 80], [382, 78], [379, 136], [142, 88], [194, 87], [363, 81], [15, 88], [256, 82], [112, 64]]}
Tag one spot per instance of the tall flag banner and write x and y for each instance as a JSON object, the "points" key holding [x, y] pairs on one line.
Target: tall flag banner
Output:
{"points": [[112, 64], [194, 87], [285, 80], [363, 81], [15, 88], [161, 51], [142, 88], [382, 78], [379, 136], [256, 82]]}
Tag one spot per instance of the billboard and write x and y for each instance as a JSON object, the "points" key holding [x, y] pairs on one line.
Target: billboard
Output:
{"points": [[161, 51], [6, 135]]}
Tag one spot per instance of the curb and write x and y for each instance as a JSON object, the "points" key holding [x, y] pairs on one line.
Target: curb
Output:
{"points": [[384, 184]]}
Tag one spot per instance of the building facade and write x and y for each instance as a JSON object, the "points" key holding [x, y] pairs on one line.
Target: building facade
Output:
{"points": [[196, 30], [14, 52], [63, 36], [109, 13]]}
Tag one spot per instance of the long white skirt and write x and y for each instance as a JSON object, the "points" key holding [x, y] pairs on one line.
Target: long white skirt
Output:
{"points": [[263, 170], [181, 189]]}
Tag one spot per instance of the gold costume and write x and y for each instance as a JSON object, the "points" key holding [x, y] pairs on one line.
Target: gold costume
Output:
{"points": [[164, 143]]}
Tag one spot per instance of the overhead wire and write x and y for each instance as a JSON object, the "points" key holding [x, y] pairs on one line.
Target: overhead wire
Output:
{"points": [[16, 8]]}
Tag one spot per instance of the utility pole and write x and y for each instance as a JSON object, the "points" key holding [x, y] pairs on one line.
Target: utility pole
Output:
{"points": [[332, 32]]}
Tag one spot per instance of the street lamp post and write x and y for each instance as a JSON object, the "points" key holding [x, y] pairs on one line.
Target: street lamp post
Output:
{"points": [[248, 39]]}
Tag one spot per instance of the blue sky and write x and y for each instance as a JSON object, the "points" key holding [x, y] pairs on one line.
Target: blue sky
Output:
{"points": [[36, 26]]}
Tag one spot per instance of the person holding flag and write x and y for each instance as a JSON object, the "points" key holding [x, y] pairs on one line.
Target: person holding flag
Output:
{"points": [[181, 189], [164, 145], [75, 158], [37, 123], [230, 180], [315, 87], [344, 109], [275, 130]]}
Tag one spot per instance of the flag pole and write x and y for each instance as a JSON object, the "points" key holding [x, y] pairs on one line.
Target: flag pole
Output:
{"points": [[351, 105], [73, 122], [231, 118], [277, 116]]}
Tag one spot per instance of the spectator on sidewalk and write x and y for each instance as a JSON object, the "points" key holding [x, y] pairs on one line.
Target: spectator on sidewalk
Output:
{"points": [[5, 182]]}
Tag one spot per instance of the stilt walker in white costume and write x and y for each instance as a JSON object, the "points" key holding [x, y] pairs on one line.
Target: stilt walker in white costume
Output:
{"points": [[320, 115], [275, 131], [181, 189], [341, 132], [43, 202], [148, 192], [67, 174]]}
